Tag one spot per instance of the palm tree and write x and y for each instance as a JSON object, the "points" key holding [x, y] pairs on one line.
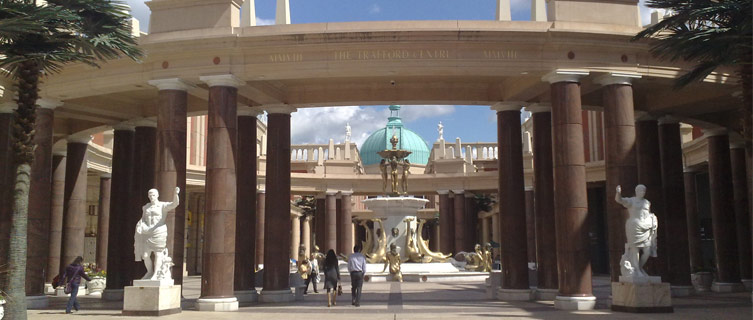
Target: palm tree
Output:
{"points": [[38, 39], [710, 34]]}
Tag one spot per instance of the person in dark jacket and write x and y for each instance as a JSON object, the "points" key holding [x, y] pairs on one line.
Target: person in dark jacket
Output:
{"points": [[73, 274], [331, 277]]}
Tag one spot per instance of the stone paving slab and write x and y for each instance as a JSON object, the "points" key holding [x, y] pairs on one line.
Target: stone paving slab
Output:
{"points": [[420, 301]]}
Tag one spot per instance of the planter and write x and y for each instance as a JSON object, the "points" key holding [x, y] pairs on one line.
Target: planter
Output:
{"points": [[97, 284], [702, 281]]}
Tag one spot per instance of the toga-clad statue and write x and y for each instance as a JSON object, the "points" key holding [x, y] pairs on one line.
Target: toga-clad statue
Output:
{"points": [[151, 236], [640, 231]]}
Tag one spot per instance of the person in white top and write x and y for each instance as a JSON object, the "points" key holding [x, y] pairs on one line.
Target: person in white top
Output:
{"points": [[356, 267]]}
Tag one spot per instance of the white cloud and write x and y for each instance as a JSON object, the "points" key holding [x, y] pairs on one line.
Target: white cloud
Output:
{"points": [[375, 8], [264, 22], [415, 112]]}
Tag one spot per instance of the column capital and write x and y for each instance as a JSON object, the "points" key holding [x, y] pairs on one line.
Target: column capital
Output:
{"points": [[443, 191], [8, 107], [49, 103], [279, 109], [145, 122], [346, 192], [124, 126], [564, 75], [261, 191], [319, 196], [105, 176], [170, 84], [644, 116], [470, 194], [60, 152], [611, 78], [528, 188], [715, 132], [222, 80], [79, 138], [539, 107], [508, 106], [737, 144], [690, 169], [331, 192], [668, 120], [246, 111], [458, 191]]}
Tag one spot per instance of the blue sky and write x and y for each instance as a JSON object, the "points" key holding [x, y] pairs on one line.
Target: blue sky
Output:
{"points": [[470, 123]]}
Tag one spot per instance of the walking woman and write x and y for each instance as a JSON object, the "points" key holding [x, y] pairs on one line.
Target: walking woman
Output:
{"points": [[331, 277], [73, 272]]}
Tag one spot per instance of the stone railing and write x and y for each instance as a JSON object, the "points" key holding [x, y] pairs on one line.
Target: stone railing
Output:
{"points": [[320, 152]]}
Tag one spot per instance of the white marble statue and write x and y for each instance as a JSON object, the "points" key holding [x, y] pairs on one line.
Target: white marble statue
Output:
{"points": [[440, 129], [348, 132], [640, 231], [151, 236]]}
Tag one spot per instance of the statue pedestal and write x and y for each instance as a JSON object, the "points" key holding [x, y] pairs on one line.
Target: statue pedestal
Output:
{"points": [[642, 296], [151, 298]]}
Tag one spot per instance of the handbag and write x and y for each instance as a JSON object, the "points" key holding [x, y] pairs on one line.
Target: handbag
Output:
{"points": [[339, 290], [68, 288]]}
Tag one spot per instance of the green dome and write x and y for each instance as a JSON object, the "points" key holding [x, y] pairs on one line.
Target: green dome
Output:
{"points": [[407, 140]]}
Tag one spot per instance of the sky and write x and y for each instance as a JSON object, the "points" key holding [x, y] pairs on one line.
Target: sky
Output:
{"points": [[470, 123]]}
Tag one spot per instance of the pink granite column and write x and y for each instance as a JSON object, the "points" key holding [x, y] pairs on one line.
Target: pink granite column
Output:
{"points": [[742, 213], [691, 210], [74, 214], [446, 224], [471, 221], [346, 244], [543, 184], [723, 214], [172, 104], [245, 219], [319, 225], [143, 178], [218, 256], [570, 196], [121, 259], [260, 209], [676, 227], [620, 163], [56, 215], [40, 205], [277, 227], [330, 222], [458, 215], [103, 222], [514, 253]]}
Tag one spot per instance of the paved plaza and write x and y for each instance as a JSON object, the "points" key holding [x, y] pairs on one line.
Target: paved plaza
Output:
{"points": [[411, 300]]}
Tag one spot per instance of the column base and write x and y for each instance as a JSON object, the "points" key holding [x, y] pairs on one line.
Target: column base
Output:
{"points": [[546, 294], [493, 283], [49, 289], [574, 303], [112, 295], [151, 300], [247, 296], [217, 304], [515, 294], [37, 302], [60, 292], [641, 297], [682, 291], [748, 284], [727, 287], [276, 296]]}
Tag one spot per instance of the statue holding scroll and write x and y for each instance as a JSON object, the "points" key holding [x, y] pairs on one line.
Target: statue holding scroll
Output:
{"points": [[640, 231], [151, 236]]}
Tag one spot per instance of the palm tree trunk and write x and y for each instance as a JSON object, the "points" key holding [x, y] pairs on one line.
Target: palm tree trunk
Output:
{"points": [[746, 74], [23, 146]]}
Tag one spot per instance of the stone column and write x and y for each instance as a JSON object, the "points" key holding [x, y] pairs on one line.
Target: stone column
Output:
{"points": [[570, 196], [261, 196], [485, 232], [496, 236], [319, 225], [218, 256], [435, 236], [330, 222], [74, 214], [103, 223], [306, 234], [40, 205], [650, 175], [530, 226], [458, 215], [121, 261], [723, 214], [56, 216], [246, 214], [346, 224], [514, 254], [543, 184], [691, 210], [172, 107], [277, 226], [295, 235], [621, 166], [742, 213], [676, 227], [338, 226], [143, 178], [446, 224], [471, 220]]}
